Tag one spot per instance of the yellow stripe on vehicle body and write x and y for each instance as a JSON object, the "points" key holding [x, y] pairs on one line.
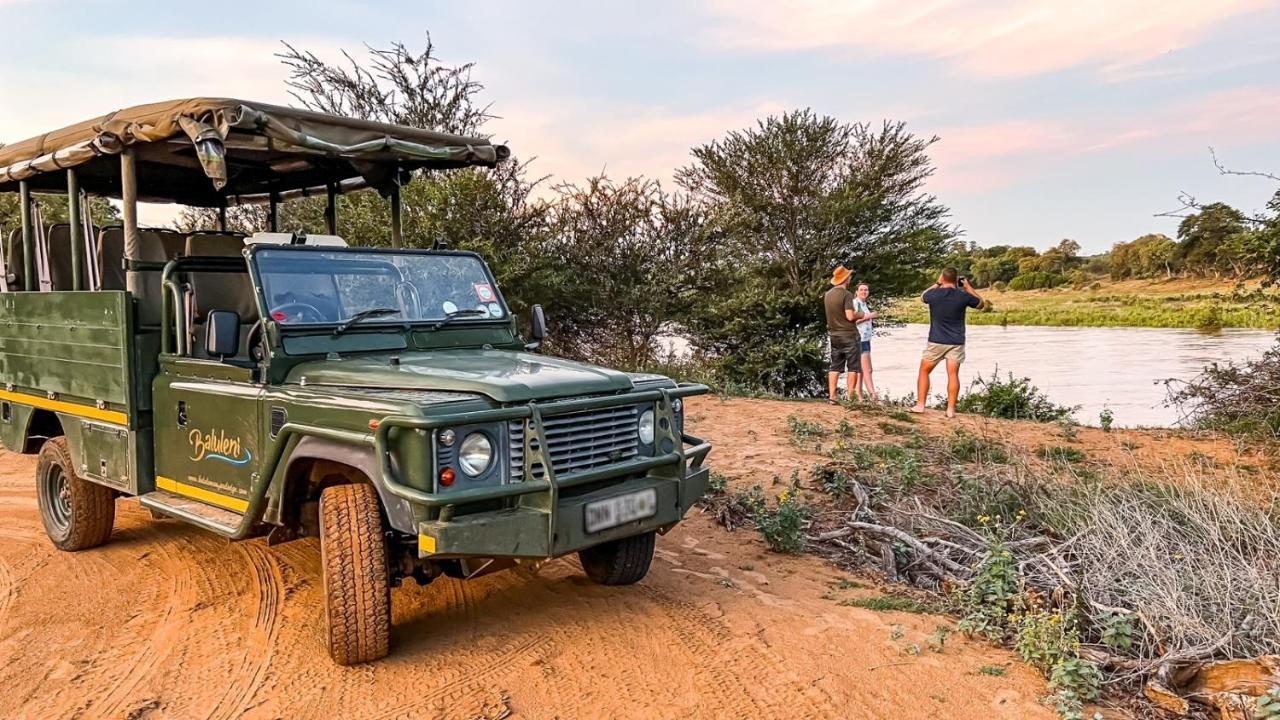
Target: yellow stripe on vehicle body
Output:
{"points": [[225, 502], [84, 411]]}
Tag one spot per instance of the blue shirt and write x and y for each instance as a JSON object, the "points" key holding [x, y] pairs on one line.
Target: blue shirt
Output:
{"points": [[946, 314]]}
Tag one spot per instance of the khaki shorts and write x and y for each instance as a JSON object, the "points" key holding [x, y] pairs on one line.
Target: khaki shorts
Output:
{"points": [[935, 352]]}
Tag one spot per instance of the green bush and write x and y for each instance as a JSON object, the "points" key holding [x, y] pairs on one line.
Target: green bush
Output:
{"points": [[1012, 399], [1036, 281], [1268, 705], [783, 527]]}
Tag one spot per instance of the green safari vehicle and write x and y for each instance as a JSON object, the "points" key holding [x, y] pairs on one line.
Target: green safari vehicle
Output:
{"points": [[281, 385]]}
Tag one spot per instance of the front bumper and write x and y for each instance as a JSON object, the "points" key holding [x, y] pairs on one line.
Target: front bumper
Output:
{"points": [[532, 532], [539, 519]]}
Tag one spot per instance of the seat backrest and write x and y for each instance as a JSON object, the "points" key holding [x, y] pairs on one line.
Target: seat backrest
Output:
{"points": [[150, 289], [14, 253], [111, 257], [175, 243], [220, 291], [59, 245]]}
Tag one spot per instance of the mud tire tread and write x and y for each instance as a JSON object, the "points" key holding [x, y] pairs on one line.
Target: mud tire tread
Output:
{"points": [[357, 589], [93, 506], [619, 562]]}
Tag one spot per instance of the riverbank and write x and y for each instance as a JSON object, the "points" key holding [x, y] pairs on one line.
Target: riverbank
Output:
{"points": [[1014, 527], [1179, 303]]}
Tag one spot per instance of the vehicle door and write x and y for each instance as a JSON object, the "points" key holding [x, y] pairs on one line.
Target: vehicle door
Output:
{"points": [[208, 432]]}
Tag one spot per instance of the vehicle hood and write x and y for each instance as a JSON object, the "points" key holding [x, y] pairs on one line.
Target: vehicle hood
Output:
{"points": [[503, 375]]}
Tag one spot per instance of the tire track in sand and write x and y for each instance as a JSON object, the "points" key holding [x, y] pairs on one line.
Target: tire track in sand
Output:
{"points": [[6, 589], [267, 583], [468, 671], [115, 701], [739, 671]]}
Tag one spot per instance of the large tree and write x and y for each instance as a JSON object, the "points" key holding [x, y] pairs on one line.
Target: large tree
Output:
{"points": [[1203, 234], [792, 197]]}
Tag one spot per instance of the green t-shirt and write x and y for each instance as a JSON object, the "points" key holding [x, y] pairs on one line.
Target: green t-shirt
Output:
{"points": [[835, 302]]}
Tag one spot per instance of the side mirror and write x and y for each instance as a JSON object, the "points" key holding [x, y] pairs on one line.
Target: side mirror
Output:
{"points": [[222, 334], [537, 327]]}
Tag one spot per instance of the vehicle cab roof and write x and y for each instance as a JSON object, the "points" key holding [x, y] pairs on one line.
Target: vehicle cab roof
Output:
{"points": [[213, 151]]}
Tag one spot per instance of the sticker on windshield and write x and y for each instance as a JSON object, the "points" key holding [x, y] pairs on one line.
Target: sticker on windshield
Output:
{"points": [[484, 291], [495, 310], [448, 307]]}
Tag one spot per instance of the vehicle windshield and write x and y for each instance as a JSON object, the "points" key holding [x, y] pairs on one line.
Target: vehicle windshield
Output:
{"points": [[321, 287]]}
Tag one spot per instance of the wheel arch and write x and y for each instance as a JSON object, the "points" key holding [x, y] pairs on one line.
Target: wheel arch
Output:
{"points": [[312, 466], [37, 425]]}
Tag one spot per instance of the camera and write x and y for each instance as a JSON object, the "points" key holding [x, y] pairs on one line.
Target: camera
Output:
{"points": [[963, 281]]}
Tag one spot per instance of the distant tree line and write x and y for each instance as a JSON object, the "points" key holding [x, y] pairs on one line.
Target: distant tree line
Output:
{"points": [[1213, 240]]}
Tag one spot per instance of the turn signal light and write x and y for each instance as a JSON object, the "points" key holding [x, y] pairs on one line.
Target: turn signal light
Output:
{"points": [[373, 424], [446, 477]]}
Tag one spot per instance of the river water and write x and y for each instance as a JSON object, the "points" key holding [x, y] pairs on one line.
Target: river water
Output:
{"points": [[1119, 368]]}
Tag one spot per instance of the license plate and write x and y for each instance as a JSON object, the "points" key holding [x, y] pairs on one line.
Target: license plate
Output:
{"points": [[604, 514]]}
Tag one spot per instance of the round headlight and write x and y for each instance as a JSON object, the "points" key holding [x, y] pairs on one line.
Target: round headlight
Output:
{"points": [[646, 427], [475, 454]]}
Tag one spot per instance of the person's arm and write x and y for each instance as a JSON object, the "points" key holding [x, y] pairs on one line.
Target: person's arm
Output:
{"points": [[968, 287], [869, 315], [850, 313]]}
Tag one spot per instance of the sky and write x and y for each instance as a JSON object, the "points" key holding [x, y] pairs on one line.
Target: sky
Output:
{"points": [[1054, 119]]}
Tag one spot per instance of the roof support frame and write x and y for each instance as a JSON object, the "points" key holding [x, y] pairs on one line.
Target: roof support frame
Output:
{"points": [[77, 230], [28, 238], [129, 215]]}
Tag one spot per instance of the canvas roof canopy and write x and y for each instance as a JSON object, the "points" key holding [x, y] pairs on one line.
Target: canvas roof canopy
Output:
{"points": [[213, 151]]}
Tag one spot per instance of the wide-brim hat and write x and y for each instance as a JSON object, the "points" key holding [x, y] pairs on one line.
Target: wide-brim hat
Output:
{"points": [[840, 275]]}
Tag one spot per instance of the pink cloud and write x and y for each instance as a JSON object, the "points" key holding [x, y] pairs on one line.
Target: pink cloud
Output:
{"points": [[977, 158], [575, 140], [982, 37]]}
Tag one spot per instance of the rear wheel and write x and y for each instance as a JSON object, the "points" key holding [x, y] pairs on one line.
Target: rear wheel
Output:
{"points": [[357, 591], [619, 562], [77, 514]]}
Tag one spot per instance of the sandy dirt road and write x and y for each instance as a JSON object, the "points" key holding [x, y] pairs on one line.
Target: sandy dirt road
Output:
{"points": [[167, 621]]}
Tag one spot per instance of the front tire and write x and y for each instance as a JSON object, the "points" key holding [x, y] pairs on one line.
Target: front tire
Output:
{"points": [[619, 562], [357, 589], [77, 514]]}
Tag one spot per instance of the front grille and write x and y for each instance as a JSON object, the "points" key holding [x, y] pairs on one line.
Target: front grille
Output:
{"points": [[579, 441]]}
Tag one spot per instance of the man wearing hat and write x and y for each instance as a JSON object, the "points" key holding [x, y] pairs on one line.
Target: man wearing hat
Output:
{"points": [[842, 329]]}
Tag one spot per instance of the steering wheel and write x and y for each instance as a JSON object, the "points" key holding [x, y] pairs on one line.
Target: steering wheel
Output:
{"points": [[303, 310]]}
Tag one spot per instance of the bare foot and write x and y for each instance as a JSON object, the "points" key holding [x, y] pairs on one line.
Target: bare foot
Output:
{"points": [[832, 401], [951, 413], [917, 409]]}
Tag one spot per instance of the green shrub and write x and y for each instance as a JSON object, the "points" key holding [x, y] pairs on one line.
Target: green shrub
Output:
{"points": [[805, 430], [967, 447], [1058, 453], [1036, 281], [1012, 399], [891, 603], [1106, 419], [783, 527], [991, 595], [1268, 705]]}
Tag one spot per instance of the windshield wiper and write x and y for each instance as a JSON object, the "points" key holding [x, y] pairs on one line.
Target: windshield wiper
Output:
{"points": [[450, 317], [363, 315]]}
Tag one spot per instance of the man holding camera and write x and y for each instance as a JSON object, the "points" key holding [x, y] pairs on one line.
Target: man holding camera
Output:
{"points": [[948, 300]]}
